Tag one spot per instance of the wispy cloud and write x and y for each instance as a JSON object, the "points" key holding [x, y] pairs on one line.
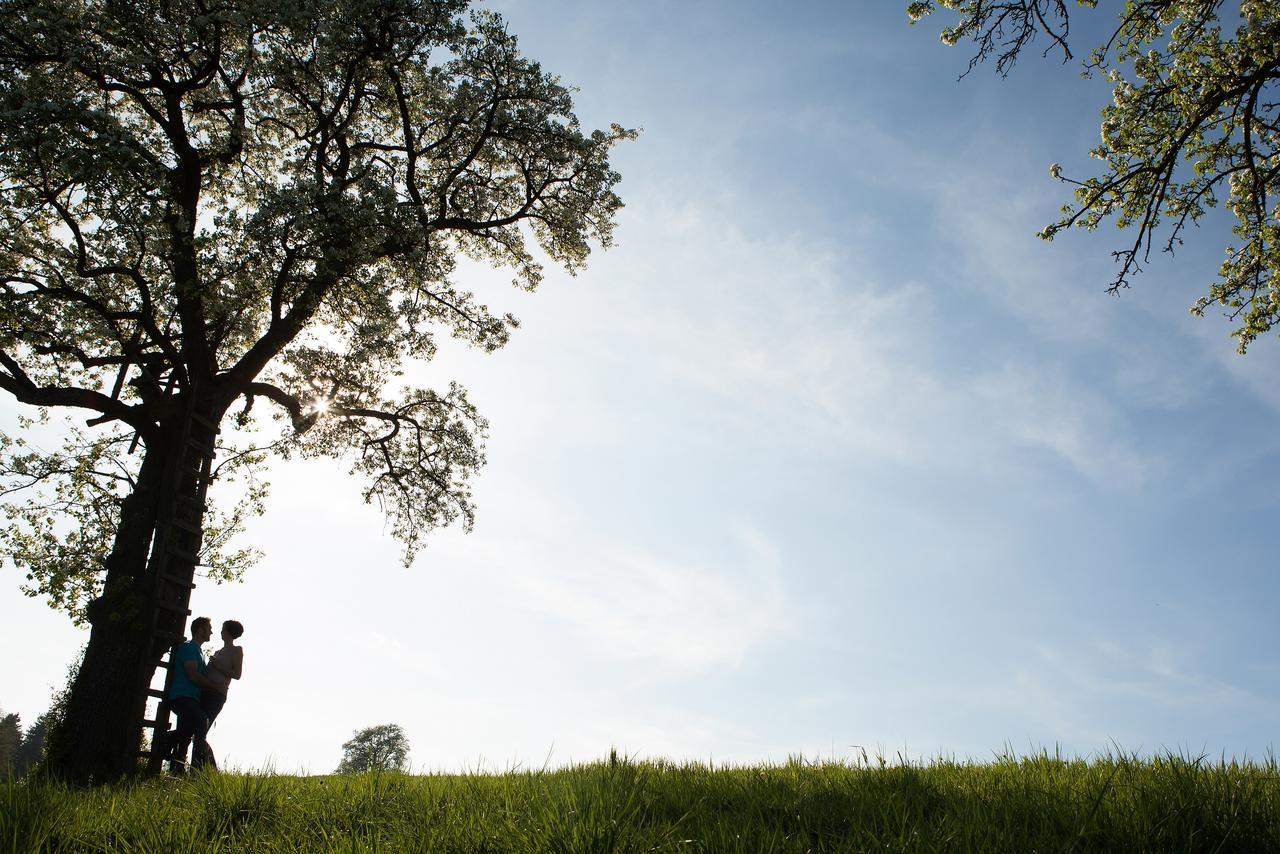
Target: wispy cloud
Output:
{"points": [[780, 338], [643, 604], [1037, 410], [1158, 700]]}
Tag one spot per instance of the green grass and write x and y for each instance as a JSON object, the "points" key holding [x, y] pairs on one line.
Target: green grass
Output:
{"points": [[1038, 804]]}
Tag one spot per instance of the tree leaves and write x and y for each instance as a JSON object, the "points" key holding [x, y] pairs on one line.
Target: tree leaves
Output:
{"points": [[1194, 123], [265, 200], [377, 748], [63, 508]]}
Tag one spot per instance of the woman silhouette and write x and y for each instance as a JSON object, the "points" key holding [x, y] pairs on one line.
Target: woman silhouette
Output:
{"points": [[224, 665]]}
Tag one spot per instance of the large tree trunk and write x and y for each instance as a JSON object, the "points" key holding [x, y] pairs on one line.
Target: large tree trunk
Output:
{"points": [[100, 733]]}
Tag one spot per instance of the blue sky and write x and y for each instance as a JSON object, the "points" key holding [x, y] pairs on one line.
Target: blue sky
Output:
{"points": [[829, 452]]}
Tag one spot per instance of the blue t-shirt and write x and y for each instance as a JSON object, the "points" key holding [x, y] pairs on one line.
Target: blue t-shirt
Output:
{"points": [[181, 685]]}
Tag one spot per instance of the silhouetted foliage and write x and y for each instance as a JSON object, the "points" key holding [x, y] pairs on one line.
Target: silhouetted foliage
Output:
{"points": [[1195, 123], [376, 748]]}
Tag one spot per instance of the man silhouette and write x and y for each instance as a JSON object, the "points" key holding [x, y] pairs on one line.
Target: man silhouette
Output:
{"points": [[184, 698]]}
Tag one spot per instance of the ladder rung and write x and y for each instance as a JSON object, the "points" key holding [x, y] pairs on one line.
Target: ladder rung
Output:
{"points": [[190, 501], [185, 525], [156, 692], [207, 422], [147, 722], [192, 515], [183, 555], [175, 607], [171, 637], [206, 451], [178, 580]]}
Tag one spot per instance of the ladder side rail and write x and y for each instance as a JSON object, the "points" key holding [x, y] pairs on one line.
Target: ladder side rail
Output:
{"points": [[173, 574]]}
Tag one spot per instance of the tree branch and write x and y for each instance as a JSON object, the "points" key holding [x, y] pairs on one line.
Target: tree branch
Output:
{"points": [[21, 386]]}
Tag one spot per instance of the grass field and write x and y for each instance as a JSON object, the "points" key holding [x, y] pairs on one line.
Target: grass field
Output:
{"points": [[1041, 804]]}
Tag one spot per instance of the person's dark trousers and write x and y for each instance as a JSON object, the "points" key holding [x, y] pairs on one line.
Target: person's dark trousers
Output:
{"points": [[212, 703], [193, 725]]}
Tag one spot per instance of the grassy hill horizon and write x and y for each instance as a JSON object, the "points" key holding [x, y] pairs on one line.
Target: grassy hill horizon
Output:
{"points": [[1114, 802]]}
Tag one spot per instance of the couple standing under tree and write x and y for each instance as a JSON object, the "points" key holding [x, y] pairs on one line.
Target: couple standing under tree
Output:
{"points": [[198, 691]]}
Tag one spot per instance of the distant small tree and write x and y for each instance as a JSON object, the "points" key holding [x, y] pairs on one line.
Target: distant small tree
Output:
{"points": [[10, 739], [31, 751], [376, 748]]}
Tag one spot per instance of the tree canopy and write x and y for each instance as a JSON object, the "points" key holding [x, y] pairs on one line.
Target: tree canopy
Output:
{"points": [[1194, 124], [208, 206], [377, 748], [265, 200]]}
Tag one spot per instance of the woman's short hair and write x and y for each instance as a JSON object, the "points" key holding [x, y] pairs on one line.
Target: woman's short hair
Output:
{"points": [[233, 628]]}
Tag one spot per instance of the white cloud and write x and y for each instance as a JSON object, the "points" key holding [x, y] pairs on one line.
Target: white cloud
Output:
{"points": [[1161, 696], [1075, 423], [1255, 371], [634, 604], [782, 343], [667, 732]]}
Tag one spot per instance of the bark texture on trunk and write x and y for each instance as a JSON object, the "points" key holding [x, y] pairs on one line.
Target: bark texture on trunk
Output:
{"points": [[100, 734]]}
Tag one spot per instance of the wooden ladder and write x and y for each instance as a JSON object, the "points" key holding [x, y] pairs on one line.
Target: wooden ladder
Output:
{"points": [[175, 549]]}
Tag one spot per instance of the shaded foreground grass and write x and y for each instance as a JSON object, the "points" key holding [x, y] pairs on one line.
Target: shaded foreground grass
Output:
{"points": [[1018, 805]]}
